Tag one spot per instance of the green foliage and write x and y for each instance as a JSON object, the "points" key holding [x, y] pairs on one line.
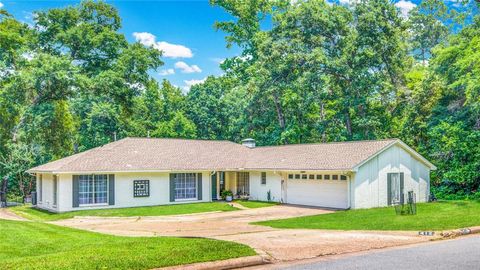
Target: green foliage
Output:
{"points": [[34, 245], [255, 204], [318, 72]]}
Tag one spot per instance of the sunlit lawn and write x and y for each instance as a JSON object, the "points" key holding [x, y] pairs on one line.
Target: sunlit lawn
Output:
{"points": [[162, 210], [35, 245], [430, 216]]}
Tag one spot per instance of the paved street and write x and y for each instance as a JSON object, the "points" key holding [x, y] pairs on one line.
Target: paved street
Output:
{"points": [[458, 254]]}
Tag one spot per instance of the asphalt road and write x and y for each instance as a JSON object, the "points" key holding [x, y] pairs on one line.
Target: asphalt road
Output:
{"points": [[458, 254]]}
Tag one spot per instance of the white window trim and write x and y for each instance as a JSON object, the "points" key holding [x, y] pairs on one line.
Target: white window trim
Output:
{"points": [[196, 190], [55, 191], [96, 204], [40, 185], [261, 179]]}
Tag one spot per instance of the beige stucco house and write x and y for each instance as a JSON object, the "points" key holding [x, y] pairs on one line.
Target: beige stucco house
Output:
{"points": [[146, 171]]}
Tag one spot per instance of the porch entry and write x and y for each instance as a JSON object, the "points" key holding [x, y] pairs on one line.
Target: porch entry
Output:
{"points": [[243, 183], [218, 184], [395, 186], [237, 182]]}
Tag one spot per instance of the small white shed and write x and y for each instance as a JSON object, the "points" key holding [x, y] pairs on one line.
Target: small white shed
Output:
{"points": [[381, 179]]}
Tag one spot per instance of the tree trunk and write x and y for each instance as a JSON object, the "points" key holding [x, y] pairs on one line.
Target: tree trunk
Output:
{"points": [[3, 192], [280, 116], [348, 124]]}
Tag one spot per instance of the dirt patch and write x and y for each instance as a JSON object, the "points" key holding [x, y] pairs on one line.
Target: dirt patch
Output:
{"points": [[9, 215]]}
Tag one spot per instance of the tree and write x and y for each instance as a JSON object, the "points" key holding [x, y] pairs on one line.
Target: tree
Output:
{"points": [[178, 127]]}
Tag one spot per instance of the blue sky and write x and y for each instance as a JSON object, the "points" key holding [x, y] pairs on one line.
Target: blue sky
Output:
{"points": [[182, 29]]}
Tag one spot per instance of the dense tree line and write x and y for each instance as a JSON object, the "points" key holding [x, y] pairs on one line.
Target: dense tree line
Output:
{"points": [[322, 72]]}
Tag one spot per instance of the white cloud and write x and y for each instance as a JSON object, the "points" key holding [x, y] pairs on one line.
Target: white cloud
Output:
{"points": [[1, 5], [347, 2], [165, 72], [190, 83], [218, 60], [405, 7], [186, 68], [168, 49], [145, 38]]}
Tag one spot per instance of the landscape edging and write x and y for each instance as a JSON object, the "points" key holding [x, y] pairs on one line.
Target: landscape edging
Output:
{"points": [[222, 265]]}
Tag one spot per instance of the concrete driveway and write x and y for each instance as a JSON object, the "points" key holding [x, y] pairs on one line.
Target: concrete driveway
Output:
{"points": [[277, 244]]}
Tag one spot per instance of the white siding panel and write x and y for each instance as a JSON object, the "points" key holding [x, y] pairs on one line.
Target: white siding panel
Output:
{"points": [[47, 192], [159, 191], [259, 191], [370, 182]]}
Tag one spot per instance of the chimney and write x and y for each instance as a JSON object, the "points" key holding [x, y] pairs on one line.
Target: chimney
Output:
{"points": [[250, 143]]}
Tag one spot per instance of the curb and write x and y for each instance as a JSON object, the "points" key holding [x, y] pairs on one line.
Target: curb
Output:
{"points": [[222, 265], [460, 232]]}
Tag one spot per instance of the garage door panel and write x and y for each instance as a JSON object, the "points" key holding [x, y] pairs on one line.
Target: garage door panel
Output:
{"points": [[318, 193]]}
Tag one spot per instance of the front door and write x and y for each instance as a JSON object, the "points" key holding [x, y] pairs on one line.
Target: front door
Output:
{"points": [[395, 188], [214, 186]]}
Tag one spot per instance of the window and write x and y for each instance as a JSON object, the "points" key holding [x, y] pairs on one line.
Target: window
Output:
{"points": [[185, 186], [55, 188], [343, 177], [141, 188], [93, 189], [40, 188], [334, 177], [304, 176], [264, 178], [326, 177], [297, 176], [319, 177], [311, 176], [395, 188], [243, 183], [290, 176]]}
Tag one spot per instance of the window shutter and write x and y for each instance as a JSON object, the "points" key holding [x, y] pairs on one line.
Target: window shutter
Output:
{"points": [[75, 190], [401, 188], [172, 187], [111, 189], [389, 188], [199, 186]]}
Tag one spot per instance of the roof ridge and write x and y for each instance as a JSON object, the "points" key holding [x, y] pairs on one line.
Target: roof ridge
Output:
{"points": [[182, 139], [325, 143]]}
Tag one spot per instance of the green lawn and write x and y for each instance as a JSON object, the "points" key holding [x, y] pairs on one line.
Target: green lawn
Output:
{"points": [[255, 204], [162, 210], [430, 216], [35, 245]]}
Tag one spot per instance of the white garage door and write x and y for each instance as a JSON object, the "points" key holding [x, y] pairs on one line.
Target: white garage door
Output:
{"points": [[318, 193]]}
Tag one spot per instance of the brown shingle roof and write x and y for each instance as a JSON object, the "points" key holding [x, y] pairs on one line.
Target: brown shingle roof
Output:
{"points": [[148, 154]]}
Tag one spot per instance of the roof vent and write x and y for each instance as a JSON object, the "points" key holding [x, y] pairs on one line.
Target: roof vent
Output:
{"points": [[250, 143]]}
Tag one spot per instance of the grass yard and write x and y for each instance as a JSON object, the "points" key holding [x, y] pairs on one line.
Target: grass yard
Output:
{"points": [[161, 210], [255, 204], [430, 216], [35, 245]]}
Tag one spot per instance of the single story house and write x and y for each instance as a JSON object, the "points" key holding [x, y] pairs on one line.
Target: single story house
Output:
{"points": [[147, 171]]}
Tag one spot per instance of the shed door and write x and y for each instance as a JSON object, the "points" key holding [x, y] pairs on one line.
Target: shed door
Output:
{"points": [[322, 193]]}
